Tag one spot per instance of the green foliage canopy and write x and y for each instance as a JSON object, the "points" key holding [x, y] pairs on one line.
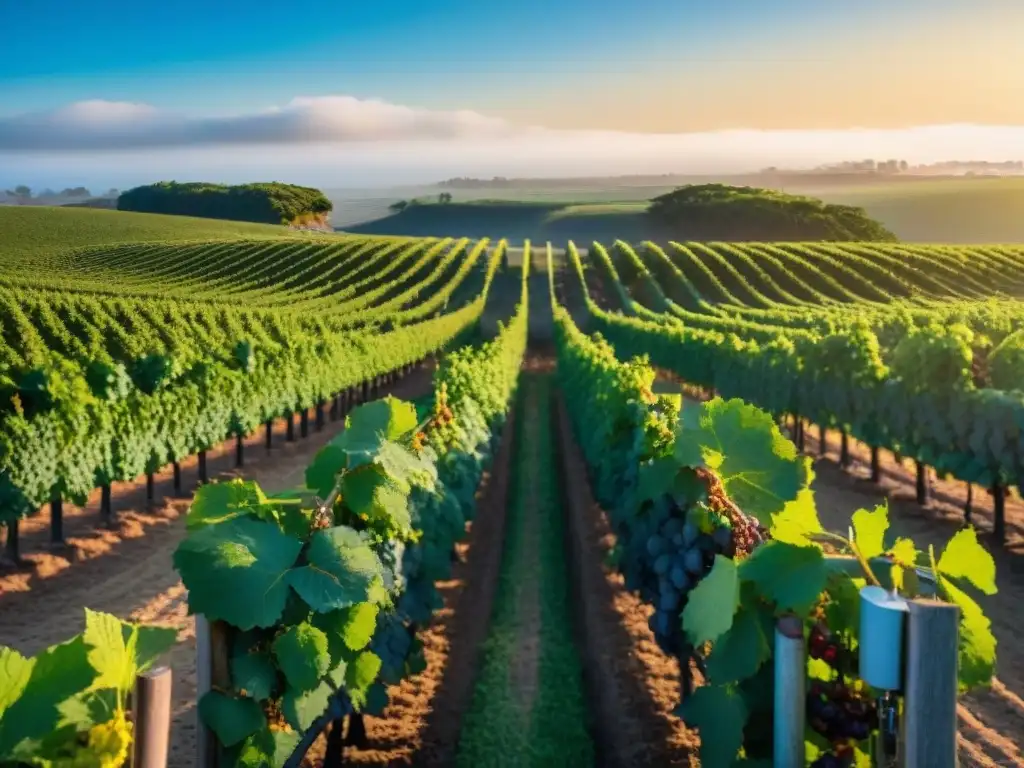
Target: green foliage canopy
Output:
{"points": [[269, 203], [722, 212]]}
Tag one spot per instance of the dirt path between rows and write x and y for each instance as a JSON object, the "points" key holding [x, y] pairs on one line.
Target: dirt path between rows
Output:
{"points": [[633, 686], [526, 651], [128, 571], [423, 720]]}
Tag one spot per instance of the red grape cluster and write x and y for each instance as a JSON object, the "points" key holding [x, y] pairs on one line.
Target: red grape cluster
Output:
{"points": [[841, 713]]}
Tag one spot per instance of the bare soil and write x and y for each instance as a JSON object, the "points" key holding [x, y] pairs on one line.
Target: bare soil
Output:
{"points": [[632, 685], [128, 570]]}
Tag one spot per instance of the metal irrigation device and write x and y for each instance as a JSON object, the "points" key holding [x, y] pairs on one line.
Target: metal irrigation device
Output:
{"points": [[908, 651]]}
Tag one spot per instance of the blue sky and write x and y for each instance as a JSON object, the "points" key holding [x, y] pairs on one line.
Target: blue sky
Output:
{"points": [[640, 67]]}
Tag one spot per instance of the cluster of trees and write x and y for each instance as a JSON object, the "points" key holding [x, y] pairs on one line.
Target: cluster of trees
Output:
{"points": [[267, 203], [397, 207], [722, 212]]}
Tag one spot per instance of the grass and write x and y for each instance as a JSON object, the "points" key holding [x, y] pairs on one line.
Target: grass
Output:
{"points": [[547, 728], [31, 231]]}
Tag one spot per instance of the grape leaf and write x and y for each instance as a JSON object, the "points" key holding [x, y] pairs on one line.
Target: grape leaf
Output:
{"points": [[965, 558], [231, 719], [15, 671], [759, 468], [322, 474], [376, 699], [302, 708], [302, 654], [739, 653], [792, 577], [360, 675], [712, 603], [58, 673], [869, 529], [370, 426], [977, 643], [354, 625], [341, 570], [114, 649], [267, 747], [720, 715], [797, 520], [220, 502], [367, 491], [236, 571], [253, 675]]}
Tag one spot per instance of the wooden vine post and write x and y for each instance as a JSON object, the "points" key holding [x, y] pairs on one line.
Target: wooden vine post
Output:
{"points": [[790, 709], [57, 521], [922, 489], [930, 686], [999, 512], [151, 709], [268, 432]]}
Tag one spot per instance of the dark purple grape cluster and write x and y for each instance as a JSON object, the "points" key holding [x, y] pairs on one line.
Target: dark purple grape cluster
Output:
{"points": [[844, 716]]}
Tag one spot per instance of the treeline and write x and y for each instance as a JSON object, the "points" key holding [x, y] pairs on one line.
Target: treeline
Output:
{"points": [[265, 203], [722, 212]]}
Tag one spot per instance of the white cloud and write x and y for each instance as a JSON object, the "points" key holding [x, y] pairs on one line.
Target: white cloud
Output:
{"points": [[344, 141], [92, 125]]}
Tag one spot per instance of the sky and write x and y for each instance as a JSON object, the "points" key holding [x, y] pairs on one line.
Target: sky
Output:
{"points": [[109, 92]]}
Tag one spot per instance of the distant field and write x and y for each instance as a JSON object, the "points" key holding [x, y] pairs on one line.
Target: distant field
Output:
{"points": [[968, 210], [29, 230], [516, 220]]}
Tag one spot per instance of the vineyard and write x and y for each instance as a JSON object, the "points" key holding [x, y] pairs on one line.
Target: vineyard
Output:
{"points": [[429, 501]]}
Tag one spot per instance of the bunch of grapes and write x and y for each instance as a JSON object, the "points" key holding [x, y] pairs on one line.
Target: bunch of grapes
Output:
{"points": [[841, 713], [675, 547]]}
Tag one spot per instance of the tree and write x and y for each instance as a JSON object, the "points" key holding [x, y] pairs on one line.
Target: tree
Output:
{"points": [[112, 192], [398, 207], [21, 192], [75, 192], [444, 197]]}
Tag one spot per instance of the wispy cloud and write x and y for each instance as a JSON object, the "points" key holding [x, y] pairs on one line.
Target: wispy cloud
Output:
{"points": [[92, 125]]}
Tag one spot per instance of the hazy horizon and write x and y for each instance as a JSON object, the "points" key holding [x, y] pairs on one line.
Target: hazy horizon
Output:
{"points": [[408, 94]]}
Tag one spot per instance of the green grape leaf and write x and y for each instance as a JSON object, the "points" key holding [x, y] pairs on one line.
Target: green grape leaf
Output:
{"points": [[302, 708], [115, 652], [360, 674], [977, 643], [232, 719], [254, 675], [740, 652], [15, 671], [370, 426], [353, 626], [965, 558], [842, 611], [720, 715], [712, 603], [376, 699], [341, 570], [322, 474], [869, 527], [404, 467], [367, 491], [759, 468], [267, 747], [798, 520], [792, 577], [220, 502], [59, 673], [302, 654], [237, 571], [150, 643]]}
